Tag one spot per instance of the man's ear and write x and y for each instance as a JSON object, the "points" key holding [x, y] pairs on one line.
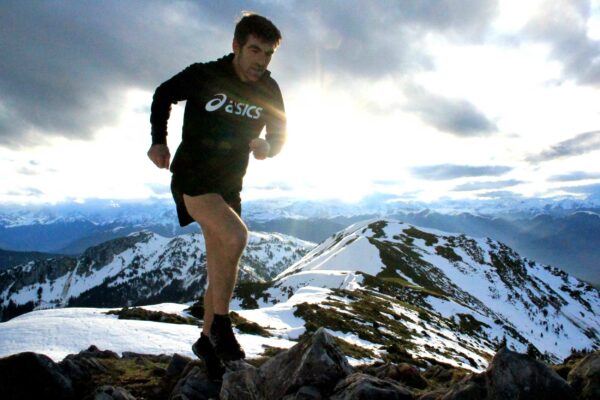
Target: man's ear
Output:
{"points": [[235, 46]]}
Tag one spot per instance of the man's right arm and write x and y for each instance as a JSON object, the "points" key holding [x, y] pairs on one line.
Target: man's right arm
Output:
{"points": [[168, 93]]}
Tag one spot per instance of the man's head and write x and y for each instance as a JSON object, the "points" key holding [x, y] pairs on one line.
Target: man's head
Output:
{"points": [[254, 42], [260, 27]]}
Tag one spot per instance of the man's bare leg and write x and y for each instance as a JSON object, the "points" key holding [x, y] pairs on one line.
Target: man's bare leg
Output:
{"points": [[225, 236]]}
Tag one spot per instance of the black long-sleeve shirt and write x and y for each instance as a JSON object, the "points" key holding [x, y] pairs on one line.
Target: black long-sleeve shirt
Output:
{"points": [[222, 115]]}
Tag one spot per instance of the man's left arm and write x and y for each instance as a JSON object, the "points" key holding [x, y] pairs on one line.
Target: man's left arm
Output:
{"points": [[276, 123]]}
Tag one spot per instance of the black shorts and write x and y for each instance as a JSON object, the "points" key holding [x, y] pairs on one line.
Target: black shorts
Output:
{"points": [[195, 185]]}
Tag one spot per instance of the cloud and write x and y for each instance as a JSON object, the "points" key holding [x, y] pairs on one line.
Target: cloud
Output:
{"points": [[450, 171], [563, 24], [499, 194], [455, 116], [487, 185], [273, 186], [32, 192], [574, 176], [159, 188], [66, 66], [578, 145]]}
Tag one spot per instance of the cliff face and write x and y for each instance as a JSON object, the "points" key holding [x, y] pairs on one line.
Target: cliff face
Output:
{"points": [[315, 368]]}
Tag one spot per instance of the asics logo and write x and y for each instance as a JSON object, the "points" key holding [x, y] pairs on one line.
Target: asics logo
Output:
{"points": [[232, 107]]}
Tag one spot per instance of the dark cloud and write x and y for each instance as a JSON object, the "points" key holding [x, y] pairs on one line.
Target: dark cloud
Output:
{"points": [[66, 65], [487, 185], [574, 176], [578, 145], [450, 171], [455, 116], [563, 25]]}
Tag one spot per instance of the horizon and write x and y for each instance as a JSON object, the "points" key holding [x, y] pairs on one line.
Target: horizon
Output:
{"points": [[486, 100]]}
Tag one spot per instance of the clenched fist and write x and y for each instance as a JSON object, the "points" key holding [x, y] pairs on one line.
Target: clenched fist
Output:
{"points": [[260, 148], [160, 155]]}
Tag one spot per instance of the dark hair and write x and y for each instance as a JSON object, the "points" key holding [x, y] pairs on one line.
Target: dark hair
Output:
{"points": [[259, 26]]}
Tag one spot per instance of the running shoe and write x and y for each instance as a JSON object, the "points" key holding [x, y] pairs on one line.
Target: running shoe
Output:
{"points": [[204, 350], [224, 342]]}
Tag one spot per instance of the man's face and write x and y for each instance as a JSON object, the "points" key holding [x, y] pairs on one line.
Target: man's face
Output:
{"points": [[251, 60]]}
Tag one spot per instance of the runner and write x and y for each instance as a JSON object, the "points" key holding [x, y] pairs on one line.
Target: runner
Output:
{"points": [[229, 102]]}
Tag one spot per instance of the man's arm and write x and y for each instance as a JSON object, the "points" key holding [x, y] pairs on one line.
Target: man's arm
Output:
{"points": [[276, 123], [168, 93]]}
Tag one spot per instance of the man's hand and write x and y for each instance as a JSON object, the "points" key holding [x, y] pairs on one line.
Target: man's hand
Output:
{"points": [[160, 155], [260, 148]]}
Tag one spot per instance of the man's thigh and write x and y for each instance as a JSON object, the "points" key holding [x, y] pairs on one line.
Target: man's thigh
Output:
{"points": [[213, 213]]}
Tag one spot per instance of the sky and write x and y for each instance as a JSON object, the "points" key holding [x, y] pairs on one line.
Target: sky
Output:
{"points": [[422, 99]]}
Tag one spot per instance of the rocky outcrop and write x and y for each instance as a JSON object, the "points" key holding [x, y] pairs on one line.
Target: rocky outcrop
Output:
{"points": [[585, 377], [314, 369], [512, 375]]}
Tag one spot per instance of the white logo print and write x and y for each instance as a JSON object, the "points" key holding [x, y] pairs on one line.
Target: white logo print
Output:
{"points": [[232, 107]]}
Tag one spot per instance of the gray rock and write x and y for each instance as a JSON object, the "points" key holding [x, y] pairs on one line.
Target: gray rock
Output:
{"points": [[33, 376], [585, 377], [240, 384], [305, 393], [194, 385], [107, 392], [403, 372], [360, 386], [472, 387], [177, 365], [517, 376], [315, 361]]}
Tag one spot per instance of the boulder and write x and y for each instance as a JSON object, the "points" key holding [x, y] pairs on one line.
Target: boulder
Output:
{"points": [[472, 387], [305, 393], [194, 385], [240, 384], [403, 372], [517, 376], [315, 362], [107, 392], [177, 365], [33, 376], [360, 386], [585, 377]]}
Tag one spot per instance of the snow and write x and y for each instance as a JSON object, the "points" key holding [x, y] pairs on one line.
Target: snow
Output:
{"points": [[59, 332]]}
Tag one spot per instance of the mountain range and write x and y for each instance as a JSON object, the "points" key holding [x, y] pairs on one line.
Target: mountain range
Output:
{"points": [[560, 233], [141, 268], [382, 286]]}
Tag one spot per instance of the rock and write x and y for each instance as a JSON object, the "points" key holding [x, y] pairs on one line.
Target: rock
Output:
{"points": [[107, 392], [472, 387], [315, 361], [33, 376], [177, 365], [93, 351], [194, 385], [585, 377], [360, 386], [305, 393], [438, 373], [517, 376], [240, 384], [403, 372]]}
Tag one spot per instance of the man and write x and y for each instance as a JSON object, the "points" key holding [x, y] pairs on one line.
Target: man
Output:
{"points": [[229, 102]]}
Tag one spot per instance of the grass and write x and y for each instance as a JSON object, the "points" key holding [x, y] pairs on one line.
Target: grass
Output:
{"points": [[137, 313]]}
